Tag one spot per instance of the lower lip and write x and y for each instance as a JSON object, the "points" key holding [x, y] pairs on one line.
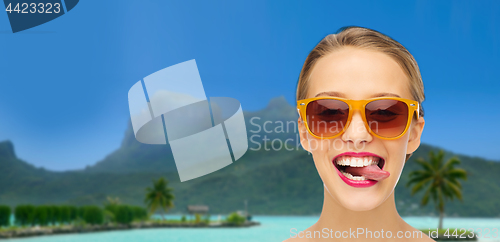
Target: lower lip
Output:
{"points": [[353, 183]]}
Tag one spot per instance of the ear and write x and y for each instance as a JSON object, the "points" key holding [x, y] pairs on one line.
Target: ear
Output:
{"points": [[415, 134], [303, 135]]}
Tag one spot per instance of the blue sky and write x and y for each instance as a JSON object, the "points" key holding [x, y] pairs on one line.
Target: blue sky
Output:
{"points": [[63, 100]]}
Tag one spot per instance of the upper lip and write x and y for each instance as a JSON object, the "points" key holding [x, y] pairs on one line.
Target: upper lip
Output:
{"points": [[357, 154]]}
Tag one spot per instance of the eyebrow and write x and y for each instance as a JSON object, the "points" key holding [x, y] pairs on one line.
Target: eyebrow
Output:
{"points": [[386, 94], [339, 94], [333, 94]]}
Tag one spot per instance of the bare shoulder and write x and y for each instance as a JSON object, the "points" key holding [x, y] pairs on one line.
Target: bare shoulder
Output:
{"points": [[298, 238], [302, 236], [292, 240], [425, 238], [418, 235]]}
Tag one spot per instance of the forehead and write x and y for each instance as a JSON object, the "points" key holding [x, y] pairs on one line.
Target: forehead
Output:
{"points": [[358, 74]]}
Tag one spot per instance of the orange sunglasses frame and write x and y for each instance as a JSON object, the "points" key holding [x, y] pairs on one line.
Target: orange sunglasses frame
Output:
{"points": [[413, 106]]}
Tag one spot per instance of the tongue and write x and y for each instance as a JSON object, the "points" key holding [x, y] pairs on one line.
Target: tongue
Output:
{"points": [[372, 172]]}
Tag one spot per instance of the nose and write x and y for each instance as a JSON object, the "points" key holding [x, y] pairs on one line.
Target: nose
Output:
{"points": [[356, 132]]}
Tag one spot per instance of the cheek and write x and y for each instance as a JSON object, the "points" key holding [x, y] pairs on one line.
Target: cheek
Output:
{"points": [[321, 151], [396, 150]]}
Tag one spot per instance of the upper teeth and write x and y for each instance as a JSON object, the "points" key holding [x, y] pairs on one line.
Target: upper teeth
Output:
{"points": [[357, 161]]}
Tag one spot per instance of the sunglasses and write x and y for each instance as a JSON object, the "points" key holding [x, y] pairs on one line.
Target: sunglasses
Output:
{"points": [[384, 117]]}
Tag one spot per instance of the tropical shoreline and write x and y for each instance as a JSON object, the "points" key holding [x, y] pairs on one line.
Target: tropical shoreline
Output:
{"points": [[72, 229]]}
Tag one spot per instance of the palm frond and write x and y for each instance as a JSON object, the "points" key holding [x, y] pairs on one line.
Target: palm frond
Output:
{"points": [[440, 179], [426, 165], [427, 195], [420, 185], [456, 191], [457, 173]]}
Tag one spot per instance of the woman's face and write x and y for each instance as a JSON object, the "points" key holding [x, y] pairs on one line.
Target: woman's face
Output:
{"points": [[355, 73]]}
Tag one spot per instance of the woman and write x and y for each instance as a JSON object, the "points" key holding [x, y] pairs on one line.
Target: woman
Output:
{"points": [[359, 98]]}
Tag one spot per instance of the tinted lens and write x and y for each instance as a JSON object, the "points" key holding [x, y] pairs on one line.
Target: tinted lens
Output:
{"points": [[327, 117], [387, 118]]}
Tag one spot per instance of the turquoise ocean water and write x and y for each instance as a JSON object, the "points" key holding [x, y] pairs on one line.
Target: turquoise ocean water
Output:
{"points": [[272, 228]]}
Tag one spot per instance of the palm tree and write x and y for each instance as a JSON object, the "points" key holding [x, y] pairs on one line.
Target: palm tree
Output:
{"points": [[439, 180], [110, 208], [113, 201], [160, 196]]}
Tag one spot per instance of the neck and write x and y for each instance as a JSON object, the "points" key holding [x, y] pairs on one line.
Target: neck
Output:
{"points": [[335, 217]]}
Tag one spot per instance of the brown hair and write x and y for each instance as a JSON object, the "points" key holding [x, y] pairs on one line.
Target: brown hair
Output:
{"points": [[367, 39], [364, 38]]}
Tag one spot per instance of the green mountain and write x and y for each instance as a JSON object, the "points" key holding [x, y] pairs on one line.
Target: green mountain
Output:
{"points": [[133, 156], [273, 181]]}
